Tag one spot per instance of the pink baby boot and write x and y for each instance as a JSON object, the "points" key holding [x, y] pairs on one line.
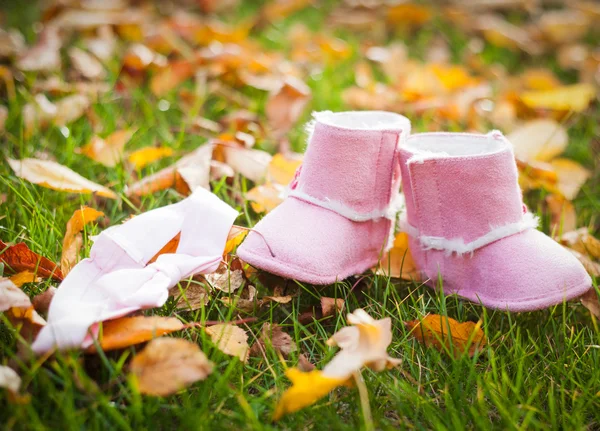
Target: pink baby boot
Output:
{"points": [[340, 211], [467, 223]]}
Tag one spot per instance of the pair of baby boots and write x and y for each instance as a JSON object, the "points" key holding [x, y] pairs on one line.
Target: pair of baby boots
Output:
{"points": [[462, 208]]}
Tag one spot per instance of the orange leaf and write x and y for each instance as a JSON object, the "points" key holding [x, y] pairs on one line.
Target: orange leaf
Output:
{"points": [[19, 258], [172, 76], [282, 168], [145, 156], [23, 277], [72, 241], [265, 198], [398, 262], [168, 365], [235, 238], [128, 331], [443, 332], [170, 247], [286, 104]]}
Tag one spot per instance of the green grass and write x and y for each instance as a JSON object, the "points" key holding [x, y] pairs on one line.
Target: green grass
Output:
{"points": [[539, 370]]}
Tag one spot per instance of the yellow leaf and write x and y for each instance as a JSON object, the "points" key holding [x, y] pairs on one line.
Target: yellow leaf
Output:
{"points": [[409, 14], [107, 151], [23, 277], [571, 176], [442, 332], [398, 262], [235, 238], [145, 156], [72, 241], [167, 365], [581, 241], [230, 339], [563, 217], [282, 168], [55, 176], [307, 388], [265, 198], [127, 331], [540, 79], [453, 77], [566, 98]]}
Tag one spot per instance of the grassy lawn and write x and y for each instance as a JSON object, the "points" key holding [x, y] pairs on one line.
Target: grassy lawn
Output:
{"points": [[539, 370]]}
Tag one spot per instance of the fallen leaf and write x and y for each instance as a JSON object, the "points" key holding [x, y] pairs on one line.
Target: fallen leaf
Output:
{"points": [[11, 296], [500, 32], [107, 151], [593, 268], [272, 335], [195, 166], [71, 108], [575, 98], [363, 344], [235, 238], [86, 64], [251, 163], [41, 302], [172, 76], [20, 278], [409, 14], [265, 198], [16, 306], [307, 388], [398, 262], [227, 281], [230, 339], [128, 331], [282, 168], [571, 176], [563, 217], [445, 334], [332, 306], [73, 240], [581, 241], [102, 46], [280, 9], [591, 302], [192, 298], [144, 156], [47, 173], [286, 104], [304, 364], [19, 258], [564, 25], [12, 43], [45, 54], [167, 365], [540, 140]]}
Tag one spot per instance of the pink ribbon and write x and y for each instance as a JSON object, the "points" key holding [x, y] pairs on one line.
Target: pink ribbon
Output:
{"points": [[116, 280]]}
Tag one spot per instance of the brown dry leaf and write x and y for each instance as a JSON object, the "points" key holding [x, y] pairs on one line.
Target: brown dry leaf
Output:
{"points": [[41, 302], [266, 197], [591, 302], [575, 98], [286, 104], [332, 306], [128, 331], [52, 175], [20, 278], [398, 262], [581, 241], [107, 151], [445, 334], [279, 299], [86, 64], [273, 335], [227, 281], [282, 168], [167, 365], [230, 339], [19, 258], [191, 171], [409, 14], [539, 140], [563, 217], [45, 54], [571, 176], [234, 238], [304, 364], [73, 240], [172, 76], [144, 156], [192, 298], [500, 32], [592, 268]]}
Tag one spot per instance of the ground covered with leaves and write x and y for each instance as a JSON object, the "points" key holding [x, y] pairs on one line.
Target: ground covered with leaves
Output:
{"points": [[111, 108]]}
